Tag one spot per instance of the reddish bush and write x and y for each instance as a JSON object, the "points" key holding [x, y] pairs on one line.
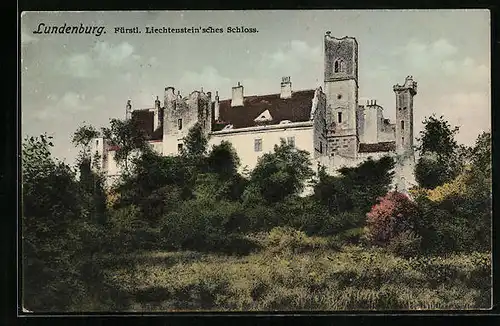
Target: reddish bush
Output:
{"points": [[391, 216]]}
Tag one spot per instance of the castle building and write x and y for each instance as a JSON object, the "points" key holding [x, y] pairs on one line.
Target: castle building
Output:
{"points": [[328, 121]]}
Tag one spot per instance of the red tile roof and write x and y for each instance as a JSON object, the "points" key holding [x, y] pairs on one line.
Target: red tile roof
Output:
{"points": [[296, 109], [377, 147]]}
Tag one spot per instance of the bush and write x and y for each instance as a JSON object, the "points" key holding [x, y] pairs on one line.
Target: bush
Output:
{"points": [[406, 244], [394, 214], [202, 225]]}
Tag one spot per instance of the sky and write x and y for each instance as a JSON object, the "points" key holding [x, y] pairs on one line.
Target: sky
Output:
{"points": [[71, 79]]}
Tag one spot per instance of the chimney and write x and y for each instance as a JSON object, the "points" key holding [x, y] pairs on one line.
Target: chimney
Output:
{"points": [[156, 120], [286, 87], [216, 106], [237, 99]]}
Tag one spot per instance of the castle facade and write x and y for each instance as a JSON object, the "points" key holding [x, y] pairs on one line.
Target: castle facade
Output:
{"points": [[328, 121]]}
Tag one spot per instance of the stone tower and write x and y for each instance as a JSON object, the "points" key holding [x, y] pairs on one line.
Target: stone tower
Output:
{"points": [[341, 90], [404, 115], [181, 114]]}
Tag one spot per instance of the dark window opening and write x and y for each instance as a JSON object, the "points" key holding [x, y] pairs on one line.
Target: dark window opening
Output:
{"points": [[179, 124], [402, 125], [179, 148], [257, 146], [402, 140], [337, 66], [97, 142], [339, 116], [321, 147], [339, 96]]}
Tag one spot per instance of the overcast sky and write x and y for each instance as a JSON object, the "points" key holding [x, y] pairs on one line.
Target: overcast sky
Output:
{"points": [[69, 79]]}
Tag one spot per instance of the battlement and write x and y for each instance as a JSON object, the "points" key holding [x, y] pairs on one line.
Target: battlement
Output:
{"points": [[409, 84]]}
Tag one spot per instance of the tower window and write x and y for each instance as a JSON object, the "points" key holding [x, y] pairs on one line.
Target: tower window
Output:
{"points": [[339, 96], [402, 140], [257, 145], [321, 147], [402, 125], [337, 66], [179, 148], [97, 142], [339, 117], [179, 124]]}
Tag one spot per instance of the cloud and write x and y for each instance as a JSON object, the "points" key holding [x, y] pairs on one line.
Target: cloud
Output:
{"points": [[70, 103], [292, 55], [102, 55], [80, 66], [114, 55], [209, 78]]}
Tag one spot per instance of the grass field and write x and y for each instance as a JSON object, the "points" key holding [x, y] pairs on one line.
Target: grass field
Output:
{"points": [[310, 274]]}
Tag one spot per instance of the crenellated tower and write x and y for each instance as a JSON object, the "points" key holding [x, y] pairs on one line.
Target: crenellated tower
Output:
{"points": [[341, 90], [404, 114], [181, 114]]}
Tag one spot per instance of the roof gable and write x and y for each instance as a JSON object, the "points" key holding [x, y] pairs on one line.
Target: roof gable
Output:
{"points": [[264, 116], [295, 109]]}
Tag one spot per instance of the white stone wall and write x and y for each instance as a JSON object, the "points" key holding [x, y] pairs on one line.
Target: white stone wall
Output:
{"points": [[243, 140]]}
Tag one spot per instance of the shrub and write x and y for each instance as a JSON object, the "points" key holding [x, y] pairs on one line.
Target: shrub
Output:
{"points": [[202, 225], [392, 215], [405, 244]]}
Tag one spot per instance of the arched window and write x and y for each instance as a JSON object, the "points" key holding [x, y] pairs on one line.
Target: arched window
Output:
{"points": [[402, 125], [337, 66]]}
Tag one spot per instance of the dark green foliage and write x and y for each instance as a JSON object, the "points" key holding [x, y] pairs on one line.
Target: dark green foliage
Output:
{"points": [[127, 136], [440, 156], [281, 173], [430, 172]]}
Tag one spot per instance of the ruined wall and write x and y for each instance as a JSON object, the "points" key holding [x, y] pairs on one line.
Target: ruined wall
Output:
{"points": [[180, 115]]}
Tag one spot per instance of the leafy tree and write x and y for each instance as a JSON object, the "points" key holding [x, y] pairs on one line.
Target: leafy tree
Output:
{"points": [[51, 229], [282, 173], [195, 142], [332, 192], [367, 182], [223, 160], [82, 138], [128, 137], [439, 153]]}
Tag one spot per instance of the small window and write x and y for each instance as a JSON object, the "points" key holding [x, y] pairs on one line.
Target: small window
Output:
{"points": [[291, 141], [321, 147], [97, 142], [337, 66], [402, 125], [179, 148], [402, 140], [345, 146], [179, 124], [339, 96], [339, 116], [257, 145]]}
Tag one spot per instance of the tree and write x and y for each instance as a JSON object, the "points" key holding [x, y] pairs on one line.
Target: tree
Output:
{"points": [[439, 153], [51, 228], [282, 173], [128, 137], [368, 181], [195, 142], [82, 138]]}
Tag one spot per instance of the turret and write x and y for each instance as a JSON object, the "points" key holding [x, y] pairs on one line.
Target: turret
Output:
{"points": [[404, 114]]}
